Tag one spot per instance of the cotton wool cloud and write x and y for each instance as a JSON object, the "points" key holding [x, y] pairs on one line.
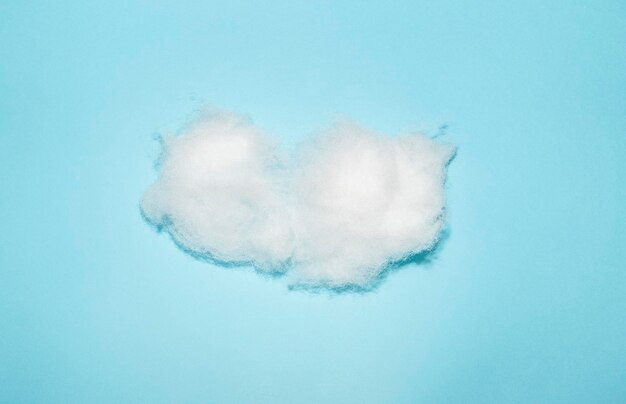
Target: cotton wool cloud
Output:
{"points": [[334, 214]]}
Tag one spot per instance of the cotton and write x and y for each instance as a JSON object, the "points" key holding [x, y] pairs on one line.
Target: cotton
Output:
{"points": [[335, 214]]}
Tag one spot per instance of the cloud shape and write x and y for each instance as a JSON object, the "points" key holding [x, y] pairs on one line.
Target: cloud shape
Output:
{"points": [[336, 214]]}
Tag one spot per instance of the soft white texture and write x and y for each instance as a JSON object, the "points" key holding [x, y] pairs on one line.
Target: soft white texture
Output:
{"points": [[352, 202]]}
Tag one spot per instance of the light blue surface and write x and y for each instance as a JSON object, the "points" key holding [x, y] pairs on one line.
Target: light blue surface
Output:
{"points": [[525, 303]]}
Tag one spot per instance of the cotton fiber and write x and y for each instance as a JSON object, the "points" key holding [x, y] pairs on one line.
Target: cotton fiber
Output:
{"points": [[335, 214]]}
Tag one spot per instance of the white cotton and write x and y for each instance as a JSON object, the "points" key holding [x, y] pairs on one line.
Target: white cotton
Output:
{"points": [[366, 200], [352, 202], [218, 193]]}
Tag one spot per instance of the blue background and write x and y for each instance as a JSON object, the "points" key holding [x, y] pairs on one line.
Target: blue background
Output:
{"points": [[525, 302]]}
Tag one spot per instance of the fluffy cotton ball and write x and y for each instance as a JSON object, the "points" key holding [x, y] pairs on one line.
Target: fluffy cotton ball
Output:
{"points": [[365, 200], [353, 202], [219, 193]]}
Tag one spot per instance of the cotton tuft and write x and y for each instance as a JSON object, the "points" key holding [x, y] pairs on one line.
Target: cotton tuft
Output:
{"points": [[335, 215]]}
